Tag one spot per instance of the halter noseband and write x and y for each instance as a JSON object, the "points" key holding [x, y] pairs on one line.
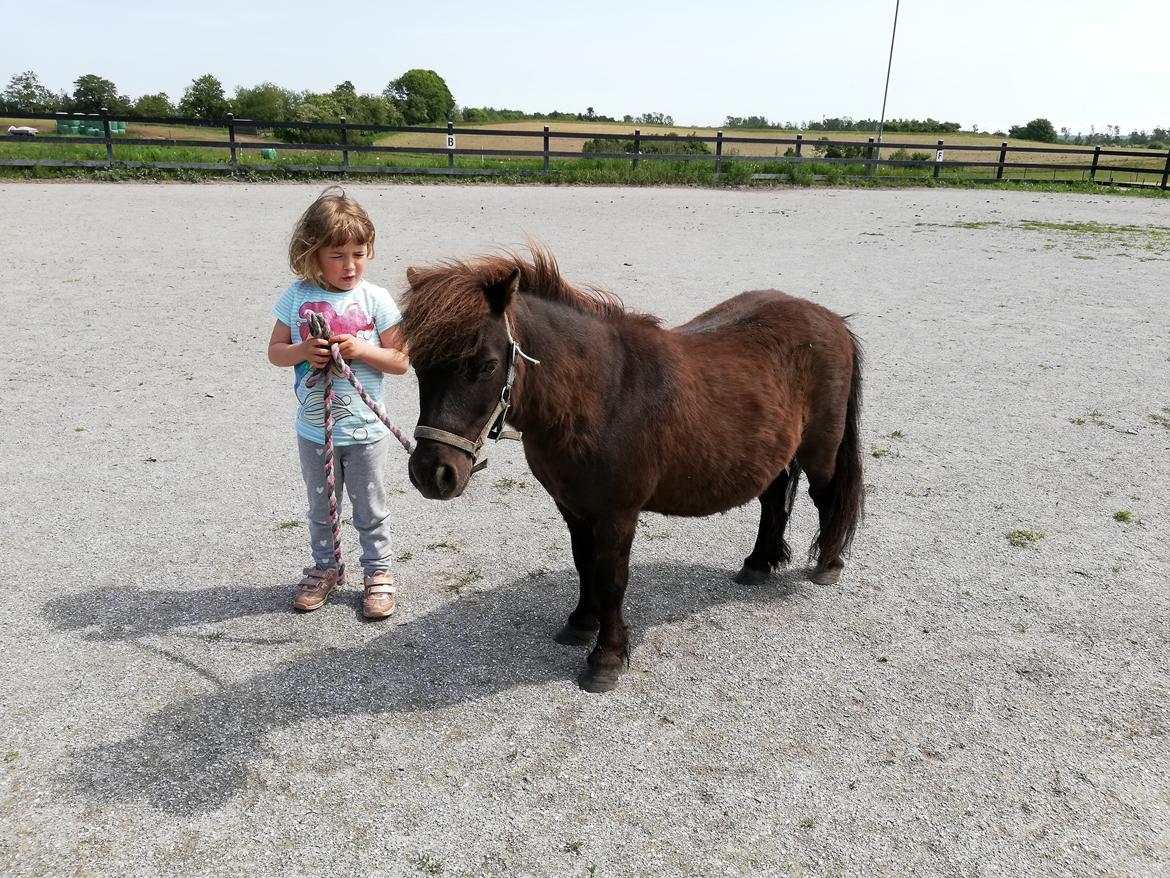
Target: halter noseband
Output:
{"points": [[494, 428]]}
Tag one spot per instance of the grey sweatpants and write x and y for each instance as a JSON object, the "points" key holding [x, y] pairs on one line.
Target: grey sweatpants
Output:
{"points": [[361, 469]]}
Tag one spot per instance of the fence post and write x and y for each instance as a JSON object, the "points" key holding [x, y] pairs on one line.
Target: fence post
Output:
{"points": [[718, 152], [799, 143], [450, 150], [1002, 159], [546, 149], [344, 143], [637, 146], [1166, 172], [938, 159], [1096, 159], [109, 139], [231, 120], [869, 158]]}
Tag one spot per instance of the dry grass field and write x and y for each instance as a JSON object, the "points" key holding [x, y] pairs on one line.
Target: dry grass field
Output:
{"points": [[953, 143], [146, 131]]}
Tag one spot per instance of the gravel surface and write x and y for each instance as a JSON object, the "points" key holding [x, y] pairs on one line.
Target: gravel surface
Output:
{"points": [[956, 705]]}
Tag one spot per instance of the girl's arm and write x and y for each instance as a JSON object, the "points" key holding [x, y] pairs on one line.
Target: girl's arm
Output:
{"points": [[391, 358], [282, 351]]}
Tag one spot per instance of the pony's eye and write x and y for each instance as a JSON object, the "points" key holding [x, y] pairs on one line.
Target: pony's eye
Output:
{"points": [[487, 369]]}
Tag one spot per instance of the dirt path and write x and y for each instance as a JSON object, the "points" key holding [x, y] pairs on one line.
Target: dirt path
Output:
{"points": [[957, 705]]}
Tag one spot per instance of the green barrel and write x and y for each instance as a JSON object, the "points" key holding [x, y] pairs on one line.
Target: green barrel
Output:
{"points": [[268, 153]]}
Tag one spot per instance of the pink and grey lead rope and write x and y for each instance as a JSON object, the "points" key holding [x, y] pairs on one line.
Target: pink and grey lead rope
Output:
{"points": [[319, 328]]}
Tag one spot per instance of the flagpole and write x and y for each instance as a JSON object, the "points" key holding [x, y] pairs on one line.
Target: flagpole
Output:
{"points": [[889, 66]]}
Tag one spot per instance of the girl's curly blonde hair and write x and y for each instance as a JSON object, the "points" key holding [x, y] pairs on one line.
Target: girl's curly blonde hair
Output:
{"points": [[333, 219]]}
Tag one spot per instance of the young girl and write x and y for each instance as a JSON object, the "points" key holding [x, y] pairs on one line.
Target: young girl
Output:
{"points": [[328, 253]]}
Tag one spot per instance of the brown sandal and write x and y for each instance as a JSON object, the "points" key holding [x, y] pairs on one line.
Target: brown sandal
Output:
{"points": [[315, 588], [378, 602]]}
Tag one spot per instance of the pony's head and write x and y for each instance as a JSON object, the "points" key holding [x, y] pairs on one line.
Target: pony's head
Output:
{"points": [[463, 323], [455, 326]]}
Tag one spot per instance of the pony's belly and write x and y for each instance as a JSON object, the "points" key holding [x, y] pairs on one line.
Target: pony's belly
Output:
{"points": [[700, 500]]}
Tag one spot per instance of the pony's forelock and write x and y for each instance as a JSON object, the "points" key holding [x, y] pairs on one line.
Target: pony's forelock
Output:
{"points": [[445, 309]]}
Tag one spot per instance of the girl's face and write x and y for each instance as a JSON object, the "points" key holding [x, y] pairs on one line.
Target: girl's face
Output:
{"points": [[342, 265]]}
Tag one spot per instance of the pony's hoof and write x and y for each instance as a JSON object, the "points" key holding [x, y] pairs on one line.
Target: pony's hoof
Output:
{"points": [[750, 576], [600, 680], [571, 635], [828, 574]]}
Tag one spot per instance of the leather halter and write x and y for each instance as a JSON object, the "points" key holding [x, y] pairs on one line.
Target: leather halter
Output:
{"points": [[494, 428]]}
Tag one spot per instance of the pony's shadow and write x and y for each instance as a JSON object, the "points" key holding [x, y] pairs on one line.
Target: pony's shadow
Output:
{"points": [[193, 755]]}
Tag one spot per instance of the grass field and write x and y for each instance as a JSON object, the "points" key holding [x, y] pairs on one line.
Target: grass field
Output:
{"points": [[651, 170]]}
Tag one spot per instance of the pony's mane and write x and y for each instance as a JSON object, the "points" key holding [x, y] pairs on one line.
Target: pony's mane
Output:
{"points": [[445, 308]]}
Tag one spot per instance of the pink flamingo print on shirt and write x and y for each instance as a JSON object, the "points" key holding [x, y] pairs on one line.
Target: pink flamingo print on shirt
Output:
{"points": [[350, 321]]}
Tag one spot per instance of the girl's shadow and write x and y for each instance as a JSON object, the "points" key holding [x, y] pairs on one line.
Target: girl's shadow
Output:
{"points": [[193, 755]]}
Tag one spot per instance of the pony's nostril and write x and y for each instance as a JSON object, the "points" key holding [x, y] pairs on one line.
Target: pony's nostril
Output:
{"points": [[445, 478]]}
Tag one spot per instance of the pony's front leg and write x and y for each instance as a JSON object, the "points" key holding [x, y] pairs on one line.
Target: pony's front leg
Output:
{"points": [[581, 626], [612, 538]]}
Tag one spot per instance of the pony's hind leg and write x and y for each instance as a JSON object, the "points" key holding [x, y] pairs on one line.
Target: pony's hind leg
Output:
{"points": [[581, 626], [837, 489], [771, 549], [836, 482], [824, 549]]}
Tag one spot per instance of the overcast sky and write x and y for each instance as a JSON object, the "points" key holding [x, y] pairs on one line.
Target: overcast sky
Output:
{"points": [[990, 63]]}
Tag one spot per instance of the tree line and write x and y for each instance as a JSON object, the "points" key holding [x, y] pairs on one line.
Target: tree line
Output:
{"points": [[1039, 129], [845, 123], [421, 97], [416, 97]]}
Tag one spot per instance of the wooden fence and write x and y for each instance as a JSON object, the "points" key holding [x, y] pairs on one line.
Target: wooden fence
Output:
{"points": [[977, 163]]}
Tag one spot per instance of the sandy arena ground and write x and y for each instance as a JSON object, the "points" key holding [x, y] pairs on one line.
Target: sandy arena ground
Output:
{"points": [[956, 706]]}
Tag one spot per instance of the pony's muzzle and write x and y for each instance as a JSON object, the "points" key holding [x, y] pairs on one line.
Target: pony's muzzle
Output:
{"points": [[438, 471]]}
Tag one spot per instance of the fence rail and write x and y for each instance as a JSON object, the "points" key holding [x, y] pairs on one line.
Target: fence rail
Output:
{"points": [[797, 150]]}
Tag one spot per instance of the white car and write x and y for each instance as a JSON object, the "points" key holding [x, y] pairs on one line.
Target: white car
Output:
{"points": [[22, 131]]}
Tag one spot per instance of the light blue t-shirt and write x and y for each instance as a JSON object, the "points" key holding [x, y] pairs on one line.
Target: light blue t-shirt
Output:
{"points": [[366, 311]]}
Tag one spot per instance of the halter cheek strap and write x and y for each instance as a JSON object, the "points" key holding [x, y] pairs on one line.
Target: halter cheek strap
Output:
{"points": [[494, 428]]}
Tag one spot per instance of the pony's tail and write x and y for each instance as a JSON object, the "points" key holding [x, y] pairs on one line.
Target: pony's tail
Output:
{"points": [[790, 493], [847, 487]]}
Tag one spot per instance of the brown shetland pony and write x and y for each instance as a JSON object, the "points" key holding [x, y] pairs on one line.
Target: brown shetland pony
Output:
{"points": [[621, 415]]}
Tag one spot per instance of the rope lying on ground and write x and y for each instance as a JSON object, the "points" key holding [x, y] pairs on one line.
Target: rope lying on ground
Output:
{"points": [[319, 328]]}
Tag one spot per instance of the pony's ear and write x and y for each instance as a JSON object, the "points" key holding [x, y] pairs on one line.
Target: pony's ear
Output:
{"points": [[412, 275], [500, 294]]}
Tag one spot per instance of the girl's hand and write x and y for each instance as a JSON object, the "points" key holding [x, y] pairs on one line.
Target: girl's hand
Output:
{"points": [[351, 347], [316, 352]]}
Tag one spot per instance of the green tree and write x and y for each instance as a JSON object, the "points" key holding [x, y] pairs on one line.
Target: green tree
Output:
{"points": [[1038, 129], [266, 102], [318, 108], [376, 110], [654, 119], [25, 94], [204, 99], [92, 92], [422, 96], [153, 105], [346, 96]]}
